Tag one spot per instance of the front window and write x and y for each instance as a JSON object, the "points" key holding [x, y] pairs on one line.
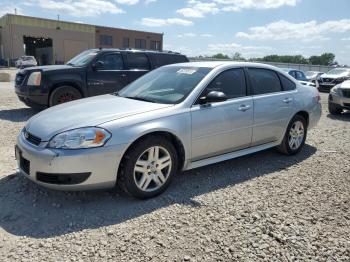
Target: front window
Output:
{"points": [[83, 58], [166, 85], [338, 71]]}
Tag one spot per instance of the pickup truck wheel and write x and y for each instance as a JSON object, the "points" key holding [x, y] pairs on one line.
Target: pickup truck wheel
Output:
{"points": [[64, 94]]}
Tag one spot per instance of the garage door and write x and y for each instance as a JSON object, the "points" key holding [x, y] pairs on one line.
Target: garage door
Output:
{"points": [[72, 48]]}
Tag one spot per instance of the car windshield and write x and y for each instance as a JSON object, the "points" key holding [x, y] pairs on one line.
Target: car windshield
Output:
{"points": [[83, 58], [166, 85], [338, 71]]}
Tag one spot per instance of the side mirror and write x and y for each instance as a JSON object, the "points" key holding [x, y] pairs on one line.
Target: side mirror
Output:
{"points": [[213, 97], [98, 65]]}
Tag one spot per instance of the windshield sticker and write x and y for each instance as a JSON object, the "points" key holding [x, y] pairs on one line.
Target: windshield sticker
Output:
{"points": [[187, 71]]}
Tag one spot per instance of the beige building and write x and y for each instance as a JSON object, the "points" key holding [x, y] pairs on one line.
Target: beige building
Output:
{"points": [[55, 42]]}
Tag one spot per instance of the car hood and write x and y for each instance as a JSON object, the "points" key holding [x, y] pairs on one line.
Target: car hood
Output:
{"points": [[345, 85], [334, 76], [47, 68], [86, 112]]}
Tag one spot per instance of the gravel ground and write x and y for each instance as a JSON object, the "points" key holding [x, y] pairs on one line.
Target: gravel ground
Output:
{"points": [[264, 207]]}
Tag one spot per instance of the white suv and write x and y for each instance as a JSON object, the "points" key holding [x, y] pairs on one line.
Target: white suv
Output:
{"points": [[26, 61]]}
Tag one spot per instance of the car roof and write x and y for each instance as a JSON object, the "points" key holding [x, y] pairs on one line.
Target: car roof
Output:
{"points": [[214, 64], [135, 51]]}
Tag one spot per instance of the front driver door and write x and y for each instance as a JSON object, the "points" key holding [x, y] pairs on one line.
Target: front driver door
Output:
{"points": [[223, 127], [109, 76]]}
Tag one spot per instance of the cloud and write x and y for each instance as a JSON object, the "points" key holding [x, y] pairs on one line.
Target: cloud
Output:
{"points": [[158, 22], [346, 39], [238, 5], [193, 35], [235, 47], [79, 8], [198, 9], [150, 1], [308, 31], [127, 2], [11, 10]]}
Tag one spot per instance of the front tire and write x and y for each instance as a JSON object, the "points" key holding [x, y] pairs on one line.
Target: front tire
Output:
{"points": [[334, 109], [148, 167], [64, 94], [295, 136]]}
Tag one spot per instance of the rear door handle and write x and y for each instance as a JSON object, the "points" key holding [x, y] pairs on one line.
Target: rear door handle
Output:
{"points": [[244, 108], [123, 75], [287, 100]]}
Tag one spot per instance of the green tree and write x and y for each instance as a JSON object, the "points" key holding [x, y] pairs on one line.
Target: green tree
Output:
{"points": [[324, 59], [220, 56], [238, 57]]}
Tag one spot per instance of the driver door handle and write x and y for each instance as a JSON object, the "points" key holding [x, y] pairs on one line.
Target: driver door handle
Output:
{"points": [[287, 100], [244, 108]]}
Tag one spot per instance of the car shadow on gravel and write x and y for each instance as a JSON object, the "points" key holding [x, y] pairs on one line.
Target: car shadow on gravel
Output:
{"points": [[345, 116], [18, 114], [29, 210]]}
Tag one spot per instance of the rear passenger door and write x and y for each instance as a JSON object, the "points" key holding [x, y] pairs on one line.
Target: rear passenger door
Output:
{"points": [[138, 64], [273, 104]]}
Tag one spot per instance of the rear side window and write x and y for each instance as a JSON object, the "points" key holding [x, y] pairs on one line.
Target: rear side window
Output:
{"points": [[167, 59], [287, 84], [112, 62], [138, 61], [231, 82], [264, 81], [300, 76]]}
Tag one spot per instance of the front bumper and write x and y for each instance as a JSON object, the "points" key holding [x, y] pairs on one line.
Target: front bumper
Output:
{"points": [[339, 100], [32, 96], [96, 167]]}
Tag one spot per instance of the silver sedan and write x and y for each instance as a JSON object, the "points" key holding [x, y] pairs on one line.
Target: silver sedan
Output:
{"points": [[175, 118]]}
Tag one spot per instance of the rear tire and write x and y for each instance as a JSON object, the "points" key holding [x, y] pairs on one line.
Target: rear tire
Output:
{"points": [[295, 136], [64, 94], [148, 167], [334, 109]]}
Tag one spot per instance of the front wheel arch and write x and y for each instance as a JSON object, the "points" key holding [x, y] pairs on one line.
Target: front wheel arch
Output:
{"points": [[177, 143]]}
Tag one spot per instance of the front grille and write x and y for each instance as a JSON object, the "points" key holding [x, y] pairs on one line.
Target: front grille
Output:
{"points": [[31, 138], [24, 164], [19, 79], [327, 80], [346, 92]]}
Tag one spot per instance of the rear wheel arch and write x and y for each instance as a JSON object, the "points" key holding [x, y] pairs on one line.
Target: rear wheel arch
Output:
{"points": [[305, 115]]}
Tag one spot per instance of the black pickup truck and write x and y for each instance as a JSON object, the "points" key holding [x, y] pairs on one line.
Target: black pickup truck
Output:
{"points": [[93, 72]]}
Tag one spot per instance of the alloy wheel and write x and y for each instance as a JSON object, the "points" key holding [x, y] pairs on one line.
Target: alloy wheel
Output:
{"points": [[296, 135], [152, 168]]}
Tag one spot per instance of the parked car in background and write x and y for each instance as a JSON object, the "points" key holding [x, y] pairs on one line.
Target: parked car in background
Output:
{"points": [[332, 78], [93, 72], [26, 61], [312, 76], [300, 76], [177, 117], [339, 98]]}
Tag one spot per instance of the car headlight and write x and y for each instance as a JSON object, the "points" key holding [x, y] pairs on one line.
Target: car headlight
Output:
{"points": [[87, 137], [34, 79]]}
